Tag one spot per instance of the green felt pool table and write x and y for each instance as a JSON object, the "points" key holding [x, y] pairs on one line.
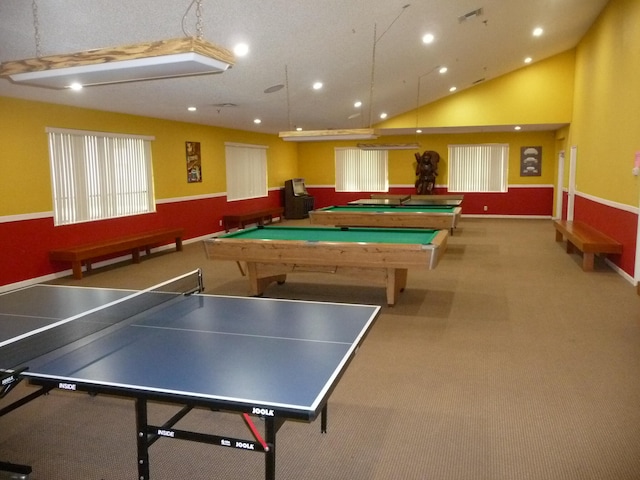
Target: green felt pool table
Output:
{"points": [[388, 216], [380, 256]]}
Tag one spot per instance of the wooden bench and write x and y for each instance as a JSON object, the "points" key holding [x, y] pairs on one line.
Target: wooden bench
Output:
{"points": [[586, 239], [240, 220], [80, 254]]}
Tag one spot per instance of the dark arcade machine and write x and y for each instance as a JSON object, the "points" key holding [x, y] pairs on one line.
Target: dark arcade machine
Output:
{"points": [[297, 201]]}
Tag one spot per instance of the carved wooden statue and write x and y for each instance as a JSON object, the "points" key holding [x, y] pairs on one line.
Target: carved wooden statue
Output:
{"points": [[426, 171]]}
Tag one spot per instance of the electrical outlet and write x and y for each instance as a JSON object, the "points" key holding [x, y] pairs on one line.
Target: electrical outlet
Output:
{"points": [[486, 208], [220, 223]]}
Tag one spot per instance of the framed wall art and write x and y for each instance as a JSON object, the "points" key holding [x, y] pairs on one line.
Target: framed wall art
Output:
{"points": [[194, 162], [530, 161]]}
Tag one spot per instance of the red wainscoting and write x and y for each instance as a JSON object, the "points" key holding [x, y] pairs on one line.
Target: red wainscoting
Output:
{"points": [[25, 244], [618, 224], [533, 201]]}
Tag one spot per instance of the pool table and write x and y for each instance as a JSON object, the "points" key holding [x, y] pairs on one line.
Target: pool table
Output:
{"points": [[379, 256], [388, 216]]}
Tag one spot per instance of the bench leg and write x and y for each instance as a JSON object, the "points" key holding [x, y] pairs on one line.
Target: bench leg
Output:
{"points": [[588, 261], [569, 247], [135, 254], [77, 269], [178, 244]]}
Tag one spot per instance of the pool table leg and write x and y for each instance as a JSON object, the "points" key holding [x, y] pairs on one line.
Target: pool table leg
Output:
{"points": [[258, 283], [396, 283]]}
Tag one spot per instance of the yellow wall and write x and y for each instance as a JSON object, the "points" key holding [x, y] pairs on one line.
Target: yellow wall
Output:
{"points": [[24, 160], [594, 87], [606, 116], [317, 159], [539, 93]]}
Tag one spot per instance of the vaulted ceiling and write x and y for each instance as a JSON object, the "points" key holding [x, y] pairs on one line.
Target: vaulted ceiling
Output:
{"points": [[361, 50]]}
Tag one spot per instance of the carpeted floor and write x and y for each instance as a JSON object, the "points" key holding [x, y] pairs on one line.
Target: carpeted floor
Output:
{"points": [[507, 362]]}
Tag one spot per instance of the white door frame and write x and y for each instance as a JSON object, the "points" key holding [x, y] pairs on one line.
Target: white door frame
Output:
{"points": [[572, 181], [559, 186]]}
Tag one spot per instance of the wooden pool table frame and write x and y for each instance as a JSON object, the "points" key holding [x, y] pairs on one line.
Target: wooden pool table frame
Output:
{"points": [[384, 264], [390, 219]]}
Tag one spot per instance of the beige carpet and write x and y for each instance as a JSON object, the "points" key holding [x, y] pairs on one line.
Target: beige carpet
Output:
{"points": [[507, 362]]}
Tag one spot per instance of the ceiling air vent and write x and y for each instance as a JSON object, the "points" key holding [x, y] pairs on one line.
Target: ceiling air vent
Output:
{"points": [[470, 15], [480, 80]]}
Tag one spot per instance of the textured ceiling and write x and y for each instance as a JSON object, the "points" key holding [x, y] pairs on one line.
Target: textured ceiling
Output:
{"points": [[296, 43]]}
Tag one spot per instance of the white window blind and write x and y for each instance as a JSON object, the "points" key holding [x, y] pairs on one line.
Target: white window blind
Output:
{"points": [[478, 168], [361, 170], [246, 171], [97, 175]]}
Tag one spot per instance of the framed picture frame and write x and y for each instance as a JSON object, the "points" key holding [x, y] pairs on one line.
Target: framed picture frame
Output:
{"points": [[194, 162], [530, 161]]}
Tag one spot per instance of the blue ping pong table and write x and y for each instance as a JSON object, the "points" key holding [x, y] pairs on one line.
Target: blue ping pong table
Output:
{"points": [[262, 358]]}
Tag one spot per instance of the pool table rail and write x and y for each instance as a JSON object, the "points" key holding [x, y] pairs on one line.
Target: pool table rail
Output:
{"points": [[387, 219], [384, 264]]}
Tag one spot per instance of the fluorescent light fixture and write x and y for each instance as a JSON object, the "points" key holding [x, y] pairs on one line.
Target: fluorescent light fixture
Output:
{"points": [[180, 57], [389, 146], [327, 135]]}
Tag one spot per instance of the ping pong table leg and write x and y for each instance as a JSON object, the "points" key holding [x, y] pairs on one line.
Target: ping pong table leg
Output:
{"points": [[143, 446], [270, 429], [323, 419]]}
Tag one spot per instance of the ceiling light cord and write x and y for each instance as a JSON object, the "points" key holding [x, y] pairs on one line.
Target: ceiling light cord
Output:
{"points": [[286, 82], [373, 74], [437, 67], [376, 39], [199, 27], [36, 28]]}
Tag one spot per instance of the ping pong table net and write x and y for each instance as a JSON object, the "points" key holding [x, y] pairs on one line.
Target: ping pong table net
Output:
{"points": [[16, 353]]}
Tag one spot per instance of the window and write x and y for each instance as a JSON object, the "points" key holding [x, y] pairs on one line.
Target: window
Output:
{"points": [[361, 170], [478, 168], [246, 171], [99, 175]]}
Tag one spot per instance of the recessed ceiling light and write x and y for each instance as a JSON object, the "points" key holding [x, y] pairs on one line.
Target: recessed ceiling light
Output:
{"points": [[298, 129], [517, 128], [383, 115], [75, 86], [537, 31], [428, 38], [418, 131], [358, 104], [528, 60], [443, 70], [257, 121], [241, 49], [192, 109], [453, 89], [317, 85]]}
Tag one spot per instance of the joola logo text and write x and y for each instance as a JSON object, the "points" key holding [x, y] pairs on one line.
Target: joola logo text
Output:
{"points": [[263, 411], [67, 386], [245, 445]]}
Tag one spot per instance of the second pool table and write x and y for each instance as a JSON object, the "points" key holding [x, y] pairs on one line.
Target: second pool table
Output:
{"points": [[385, 216], [381, 256]]}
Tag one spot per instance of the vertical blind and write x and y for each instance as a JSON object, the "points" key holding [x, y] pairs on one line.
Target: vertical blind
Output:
{"points": [[246, 171], [478, 168], [361, 170], [98, 175]]}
